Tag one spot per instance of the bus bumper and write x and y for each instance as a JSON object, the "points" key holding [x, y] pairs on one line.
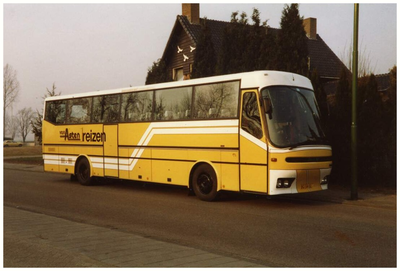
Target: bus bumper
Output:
{"points": [[298, 181]]}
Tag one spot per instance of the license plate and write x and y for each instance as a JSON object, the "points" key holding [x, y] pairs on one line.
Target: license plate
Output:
{"points": [[308, 180]]}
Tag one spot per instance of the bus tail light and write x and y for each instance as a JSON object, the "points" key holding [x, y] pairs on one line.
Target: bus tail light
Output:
{"points": [[284, 182]]}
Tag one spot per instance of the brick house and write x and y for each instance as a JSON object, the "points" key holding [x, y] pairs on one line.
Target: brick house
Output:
{"points": [[181, 46]]}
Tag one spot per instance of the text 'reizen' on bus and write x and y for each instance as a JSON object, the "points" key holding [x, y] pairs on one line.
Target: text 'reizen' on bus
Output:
{"points": [[257, 132]]}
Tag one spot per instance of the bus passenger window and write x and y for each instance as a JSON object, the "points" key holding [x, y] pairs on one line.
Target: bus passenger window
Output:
{"points": [[215, 101], [55, 112], [137, 106], [79, 110], [251, 121], [173, 104], [106, 108]]}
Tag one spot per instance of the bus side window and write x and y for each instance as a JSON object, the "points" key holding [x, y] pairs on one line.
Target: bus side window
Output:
{"points": [[106, 108], [173, 104], [251, 121], [214, 101], [136, 106], [79, 110], [55, 112]]}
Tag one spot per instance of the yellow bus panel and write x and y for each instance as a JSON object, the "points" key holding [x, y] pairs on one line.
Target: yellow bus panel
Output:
{"points": [[141, 171], [253, 178], [171, 172], [230, 177]]}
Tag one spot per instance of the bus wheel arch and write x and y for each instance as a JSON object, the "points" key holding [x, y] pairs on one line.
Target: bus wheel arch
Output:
{"points": [[83, 170], [203, 181]]}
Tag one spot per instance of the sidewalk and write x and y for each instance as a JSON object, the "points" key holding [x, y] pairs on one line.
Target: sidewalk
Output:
{"points": [[37, 240]]}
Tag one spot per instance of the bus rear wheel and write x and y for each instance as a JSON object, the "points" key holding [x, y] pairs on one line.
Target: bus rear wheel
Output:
{"points": [[204, 183], [82, 172]]}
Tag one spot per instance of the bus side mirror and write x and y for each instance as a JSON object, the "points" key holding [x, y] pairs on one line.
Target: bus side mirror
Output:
{"points": [[268, 107]]}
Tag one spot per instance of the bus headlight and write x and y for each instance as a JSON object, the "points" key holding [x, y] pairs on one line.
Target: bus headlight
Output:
{"points": [[284, 182], [325, 180]]}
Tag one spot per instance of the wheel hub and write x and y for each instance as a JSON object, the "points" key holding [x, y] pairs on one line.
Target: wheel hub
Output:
{"points": [[205, 184]]}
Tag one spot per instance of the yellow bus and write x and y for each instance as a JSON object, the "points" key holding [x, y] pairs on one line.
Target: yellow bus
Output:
{"points": [[256, 132]]}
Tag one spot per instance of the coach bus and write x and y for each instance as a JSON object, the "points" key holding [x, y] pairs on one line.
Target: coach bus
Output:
{"points": [[257, 132]]}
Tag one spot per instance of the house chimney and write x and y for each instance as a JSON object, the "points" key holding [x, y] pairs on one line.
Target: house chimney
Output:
{"points": [[192, 12], [310, 26]]}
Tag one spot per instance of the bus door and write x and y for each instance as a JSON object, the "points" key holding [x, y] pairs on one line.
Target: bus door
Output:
{"points": [[111, 150], [253, 147]]}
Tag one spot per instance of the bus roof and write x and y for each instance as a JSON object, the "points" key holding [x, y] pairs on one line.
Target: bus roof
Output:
{"points": [[255, 79]]}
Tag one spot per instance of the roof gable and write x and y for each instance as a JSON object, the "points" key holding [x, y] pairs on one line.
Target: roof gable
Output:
{"points": [[324, 59]]}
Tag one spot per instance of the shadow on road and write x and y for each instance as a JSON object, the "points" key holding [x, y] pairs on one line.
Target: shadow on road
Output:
{"points": [[312, 198]]}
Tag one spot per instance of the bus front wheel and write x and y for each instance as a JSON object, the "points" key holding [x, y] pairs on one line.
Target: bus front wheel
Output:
{"points": [[82, 172], [204, 183]]}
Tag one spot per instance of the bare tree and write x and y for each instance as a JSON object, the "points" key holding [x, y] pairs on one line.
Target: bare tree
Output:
{"points": [[365, 66], [10, 89], [24, 120], [11, 125], [52, 92]]}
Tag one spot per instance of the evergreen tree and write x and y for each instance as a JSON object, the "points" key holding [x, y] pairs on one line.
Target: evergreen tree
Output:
{"points": [[340, 132], [370, 102], [321, 98], [390, 140], [205, 58], [369, 130], [256, 55], [158, 73], [246, 47], [392, 102], [376, 132], [292, 40], [223, 58], [393, 82], [268, 58], [252, 50], [234, 43], [240, 33], [36, 121]]}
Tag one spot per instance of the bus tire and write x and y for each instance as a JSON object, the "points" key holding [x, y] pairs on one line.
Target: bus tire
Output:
{"points": [[204, 183], [82, 172]]}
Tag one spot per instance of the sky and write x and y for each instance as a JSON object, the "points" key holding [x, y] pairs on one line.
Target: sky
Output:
{"points": [[88, 47]]}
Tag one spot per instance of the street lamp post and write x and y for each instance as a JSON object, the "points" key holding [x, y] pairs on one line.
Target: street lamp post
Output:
{"points": [[354, 192]]}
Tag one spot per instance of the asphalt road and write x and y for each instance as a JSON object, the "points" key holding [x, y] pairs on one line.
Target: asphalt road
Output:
{"points": [[273, 232]]}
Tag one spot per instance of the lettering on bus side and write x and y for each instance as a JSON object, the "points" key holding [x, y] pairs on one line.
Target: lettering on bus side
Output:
{"points": [[94, 137], [70, 136], [86, 137]]}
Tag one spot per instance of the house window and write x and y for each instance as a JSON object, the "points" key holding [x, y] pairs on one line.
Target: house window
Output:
{"points": [[178, 74]]}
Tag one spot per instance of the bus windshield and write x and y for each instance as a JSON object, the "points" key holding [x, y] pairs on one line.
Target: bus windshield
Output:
{"points": [[294, 118]]}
